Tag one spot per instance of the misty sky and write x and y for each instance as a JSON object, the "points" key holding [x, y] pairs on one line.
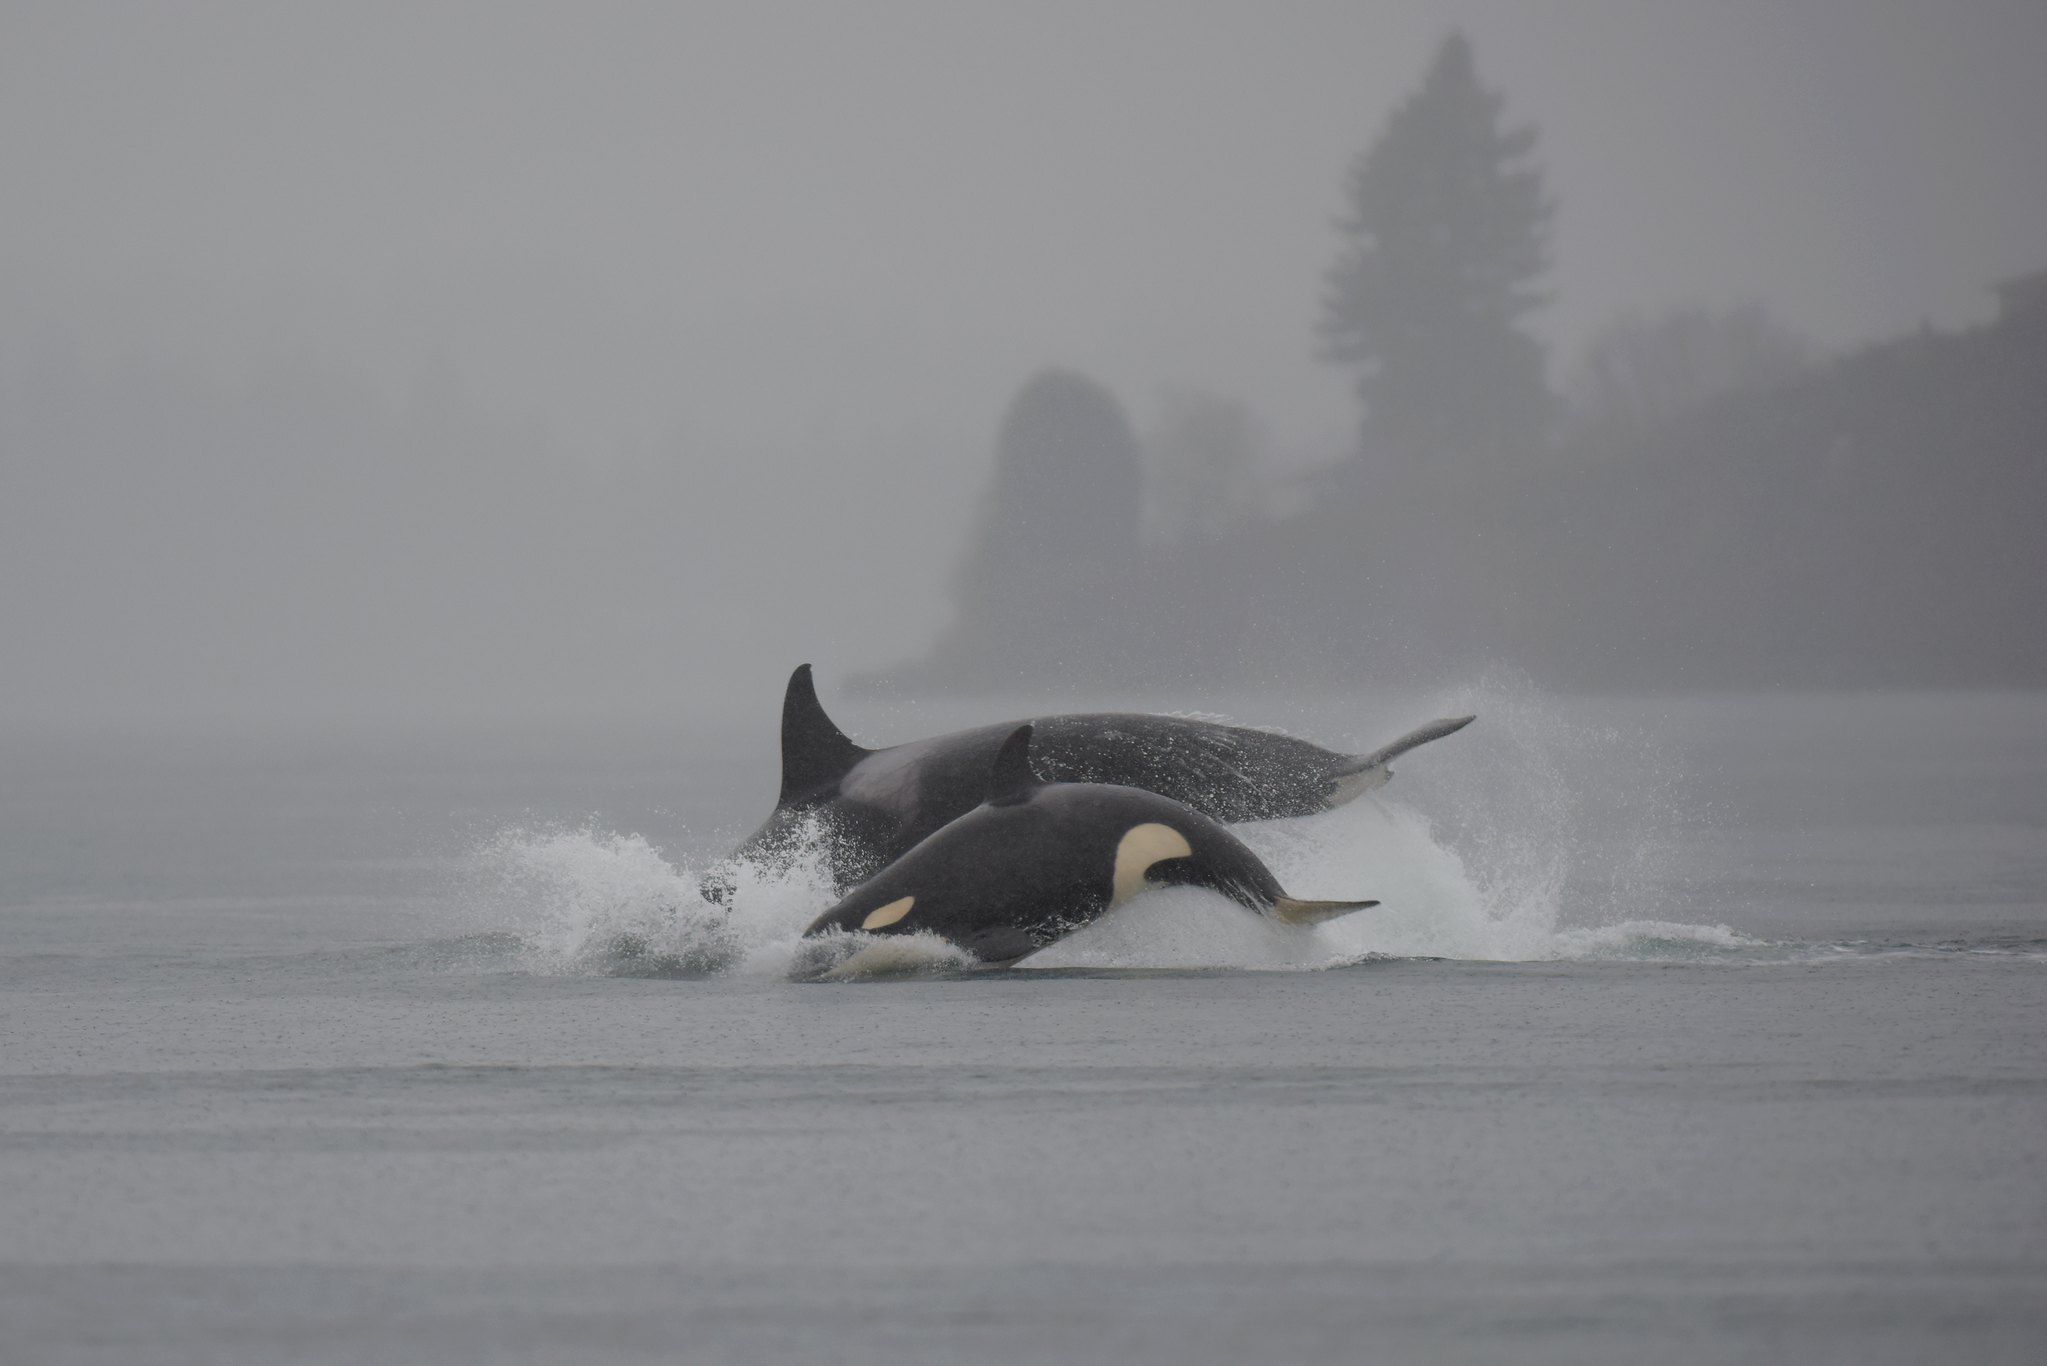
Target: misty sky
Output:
{"points": [[816, 247]]}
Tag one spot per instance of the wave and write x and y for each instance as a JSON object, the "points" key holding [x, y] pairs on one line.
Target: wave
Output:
{"points": [[1549, 843], [1492, 887], [587, 901]]}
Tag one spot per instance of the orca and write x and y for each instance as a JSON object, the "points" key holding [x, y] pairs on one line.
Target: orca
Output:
{"points": [[1037, 860], [871, 806]]}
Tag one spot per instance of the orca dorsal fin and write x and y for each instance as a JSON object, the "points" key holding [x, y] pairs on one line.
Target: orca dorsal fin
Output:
{"points": [[814, 751], [1010, 777]]}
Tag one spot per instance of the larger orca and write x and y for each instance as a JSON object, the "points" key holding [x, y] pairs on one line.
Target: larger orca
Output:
{"points": [[871, 806], [1038, 860]]}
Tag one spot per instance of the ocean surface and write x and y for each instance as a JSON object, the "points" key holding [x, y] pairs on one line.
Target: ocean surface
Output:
{"points": [[1690, 1030]]}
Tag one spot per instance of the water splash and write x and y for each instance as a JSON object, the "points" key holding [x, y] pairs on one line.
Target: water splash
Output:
{"points": [[840, 956], [591, 902], [1534, 859], [586, 901]]}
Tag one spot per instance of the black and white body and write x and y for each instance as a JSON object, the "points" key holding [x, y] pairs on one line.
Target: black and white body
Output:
{"points": [[874, 805], [1038, 860]]}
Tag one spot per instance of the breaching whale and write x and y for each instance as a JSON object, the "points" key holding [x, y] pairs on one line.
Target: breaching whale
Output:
{"points": [[872, 805], [1038, 860]]}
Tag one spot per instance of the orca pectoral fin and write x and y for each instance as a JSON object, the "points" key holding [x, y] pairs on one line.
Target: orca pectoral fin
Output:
{"points": [[1360, 774], [1289, 911]]}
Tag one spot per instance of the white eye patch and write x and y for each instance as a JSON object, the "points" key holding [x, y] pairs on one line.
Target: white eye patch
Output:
{"points": [[1140, 848], [889, 914]]}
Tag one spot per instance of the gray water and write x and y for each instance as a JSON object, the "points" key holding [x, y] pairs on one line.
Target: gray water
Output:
{"points": [[1702, 1030]]}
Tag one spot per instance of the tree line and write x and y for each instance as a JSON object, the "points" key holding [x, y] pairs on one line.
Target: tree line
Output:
{"points": [[1707, 503]]}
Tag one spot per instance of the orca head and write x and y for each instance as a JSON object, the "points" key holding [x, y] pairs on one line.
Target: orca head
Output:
{"points": [[1186, 849], [785, 832], [848, 841]]}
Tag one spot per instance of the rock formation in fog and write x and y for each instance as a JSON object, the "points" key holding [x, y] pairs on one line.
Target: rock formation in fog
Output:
{"points": [[1056, 545]]}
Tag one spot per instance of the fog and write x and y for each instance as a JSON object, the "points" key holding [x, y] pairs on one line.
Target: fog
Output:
{"points": [[608, 360]]}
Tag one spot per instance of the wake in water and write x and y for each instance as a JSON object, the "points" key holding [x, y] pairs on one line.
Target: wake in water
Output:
{"points": [[1494, 888]]}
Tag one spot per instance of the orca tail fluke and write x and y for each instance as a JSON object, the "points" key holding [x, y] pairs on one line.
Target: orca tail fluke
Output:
{"points": [[1360, 773], [1290, 911]]}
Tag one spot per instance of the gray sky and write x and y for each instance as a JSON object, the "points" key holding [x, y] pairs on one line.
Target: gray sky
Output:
{"points": [[816, 247]]}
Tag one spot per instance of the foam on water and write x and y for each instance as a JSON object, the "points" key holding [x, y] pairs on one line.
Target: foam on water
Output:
{"points": [[585, 900], [1493, 885]]}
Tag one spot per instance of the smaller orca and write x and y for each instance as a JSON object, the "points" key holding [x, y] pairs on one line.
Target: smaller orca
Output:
{"points": [[873, 805], [1038, 860]]}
